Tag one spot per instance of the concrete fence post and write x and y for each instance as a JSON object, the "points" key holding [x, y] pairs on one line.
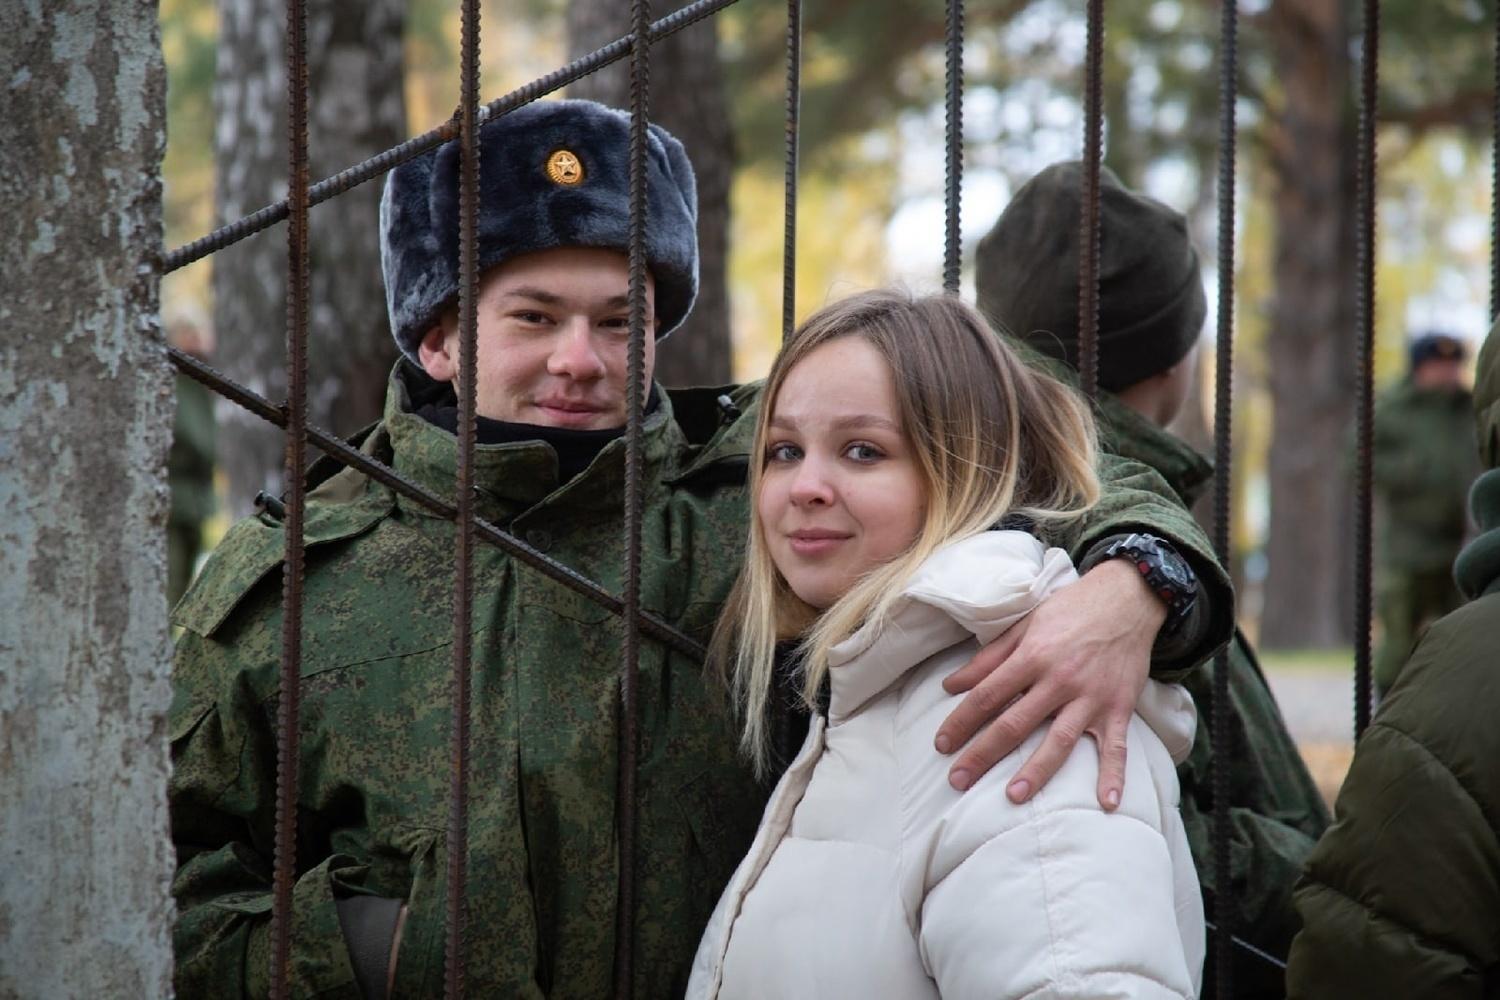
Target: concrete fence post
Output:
{"points": [[85, 423]]}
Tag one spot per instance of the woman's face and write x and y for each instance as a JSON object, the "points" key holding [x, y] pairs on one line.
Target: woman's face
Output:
{"points": [[841, 492]]}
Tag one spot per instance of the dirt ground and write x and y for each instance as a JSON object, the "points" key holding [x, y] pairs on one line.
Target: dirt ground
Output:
{"points": [[1316, 695]]}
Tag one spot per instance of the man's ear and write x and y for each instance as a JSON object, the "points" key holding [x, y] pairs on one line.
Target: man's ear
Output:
{"points": [[438, 353]]}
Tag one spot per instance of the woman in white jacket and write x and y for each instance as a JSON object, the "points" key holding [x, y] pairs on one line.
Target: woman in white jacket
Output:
{"points": [[896, 432]]}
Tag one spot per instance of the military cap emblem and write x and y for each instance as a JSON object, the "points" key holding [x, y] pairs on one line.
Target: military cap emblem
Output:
{"points": [[564, 168]]}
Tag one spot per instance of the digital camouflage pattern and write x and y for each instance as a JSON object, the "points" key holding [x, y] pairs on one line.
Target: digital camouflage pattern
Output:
{"points": [[374, 727], [1276, 811], [1424, 459]]}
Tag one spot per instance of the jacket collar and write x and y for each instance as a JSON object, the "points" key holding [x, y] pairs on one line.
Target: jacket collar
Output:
{"points": [[1126, 433], [975, 588], [514, 477], [1477, 569]]}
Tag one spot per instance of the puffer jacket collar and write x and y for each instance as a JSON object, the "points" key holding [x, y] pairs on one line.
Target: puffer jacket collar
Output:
{"points": [[974, 587]]}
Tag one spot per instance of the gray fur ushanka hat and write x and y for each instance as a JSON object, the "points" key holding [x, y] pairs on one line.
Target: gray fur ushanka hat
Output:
{"points": [[551, 174]]}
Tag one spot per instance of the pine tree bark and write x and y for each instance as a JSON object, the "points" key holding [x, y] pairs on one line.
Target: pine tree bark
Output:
{"points": [[1311, 338], [688, 98], [86, 411], [356, 110]]}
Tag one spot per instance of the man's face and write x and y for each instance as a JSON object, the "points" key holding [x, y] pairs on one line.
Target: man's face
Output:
{"points": [[554, 328], [1439, 373]]}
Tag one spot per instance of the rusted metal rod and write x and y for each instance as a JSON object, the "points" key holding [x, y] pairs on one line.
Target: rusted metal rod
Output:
{"points": [[1088, 259], [288, 743], [1365, 360]]}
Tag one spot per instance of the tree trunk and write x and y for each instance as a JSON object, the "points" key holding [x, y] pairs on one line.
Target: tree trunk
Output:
{"points": [[1311, 339], [86, 407], [356, 109], [688, 99]]}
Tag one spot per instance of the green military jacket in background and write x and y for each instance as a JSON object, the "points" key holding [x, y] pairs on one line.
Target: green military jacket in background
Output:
{"points": [[1276, 812], [376, 663], [190, 462], [1424, 459]]}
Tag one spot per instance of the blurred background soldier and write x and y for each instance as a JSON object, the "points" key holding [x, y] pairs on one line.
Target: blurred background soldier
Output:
{"points": [[1424, 462], [190, 463], [1151, 313]]}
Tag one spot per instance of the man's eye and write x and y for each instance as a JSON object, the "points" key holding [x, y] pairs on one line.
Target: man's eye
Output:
{"points": [[527, 316], [861, 452], [783, 453]]}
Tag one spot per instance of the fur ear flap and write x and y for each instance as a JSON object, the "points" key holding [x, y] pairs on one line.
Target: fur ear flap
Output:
{"points": [[552, 174]]}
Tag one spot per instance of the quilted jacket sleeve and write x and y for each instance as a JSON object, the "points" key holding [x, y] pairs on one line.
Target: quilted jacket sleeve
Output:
{"points": [[1057, 898]]}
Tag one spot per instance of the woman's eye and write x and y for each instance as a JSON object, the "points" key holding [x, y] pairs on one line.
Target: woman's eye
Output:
{"points": [[783, 453], [861, 452]]}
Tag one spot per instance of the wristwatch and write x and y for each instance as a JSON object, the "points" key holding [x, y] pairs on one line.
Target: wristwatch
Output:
{"points": [[1165, 572]]}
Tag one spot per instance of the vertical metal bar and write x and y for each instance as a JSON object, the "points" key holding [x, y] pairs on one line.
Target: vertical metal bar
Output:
{"points": [[954, 141], [463, 583], [635, 396], [1495, 183], [1223, 477], [793, 134], [288, 748], [1365, 332], [1088, 260]]}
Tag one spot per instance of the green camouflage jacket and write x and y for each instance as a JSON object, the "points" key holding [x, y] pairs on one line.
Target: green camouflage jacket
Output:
{"points": [[374, 725], [1424, 460], [1276, 811]]}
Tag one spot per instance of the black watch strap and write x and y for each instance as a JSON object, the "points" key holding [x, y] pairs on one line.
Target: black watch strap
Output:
{"points": [[1167, 574]]}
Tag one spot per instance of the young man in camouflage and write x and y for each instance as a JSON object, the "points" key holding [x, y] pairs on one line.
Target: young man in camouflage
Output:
{"points": [[1151, 314], [368, 905], [1423, 465]]}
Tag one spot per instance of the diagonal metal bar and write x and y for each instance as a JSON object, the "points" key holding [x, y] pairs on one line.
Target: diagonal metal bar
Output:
{"points": [[1365, 360], [1223, 477], [377, 165], [635, 396], [350, 457], [953, 141], [463, 555], [288, 749], [793, 139], [1088, 259]]}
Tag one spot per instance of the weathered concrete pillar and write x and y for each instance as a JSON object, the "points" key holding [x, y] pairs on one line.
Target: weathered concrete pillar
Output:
{"points": [[85, 421]]}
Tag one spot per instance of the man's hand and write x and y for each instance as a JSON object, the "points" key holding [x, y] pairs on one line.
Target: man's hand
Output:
{"points": [[1081, 659]]}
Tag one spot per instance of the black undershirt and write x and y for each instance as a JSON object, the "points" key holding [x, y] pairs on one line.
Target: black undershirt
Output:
{"points": [[575, 449]]}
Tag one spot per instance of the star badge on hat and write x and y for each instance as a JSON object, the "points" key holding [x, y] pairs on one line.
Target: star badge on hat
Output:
{"points": [[564, 167]]}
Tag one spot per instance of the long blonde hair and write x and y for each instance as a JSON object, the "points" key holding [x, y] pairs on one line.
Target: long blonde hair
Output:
{"points": [[991, 437]]}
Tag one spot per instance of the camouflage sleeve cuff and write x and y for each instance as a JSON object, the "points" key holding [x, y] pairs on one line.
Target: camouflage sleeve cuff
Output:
{"points": [[1172, 649]]}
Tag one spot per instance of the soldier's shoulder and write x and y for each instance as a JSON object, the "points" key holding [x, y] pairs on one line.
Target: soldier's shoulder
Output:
{"points": [[719, 426], [248, 560]]}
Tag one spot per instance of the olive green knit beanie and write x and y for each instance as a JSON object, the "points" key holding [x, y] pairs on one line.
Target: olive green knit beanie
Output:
{"points": [[1151, 300]]}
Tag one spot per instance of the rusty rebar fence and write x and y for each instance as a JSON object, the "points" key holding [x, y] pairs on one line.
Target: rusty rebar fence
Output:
{"points": [[1223, 915], [1364, 324], [636, 621]]}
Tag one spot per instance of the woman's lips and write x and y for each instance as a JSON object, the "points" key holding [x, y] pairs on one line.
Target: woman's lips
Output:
{"points": [[816, 543]]}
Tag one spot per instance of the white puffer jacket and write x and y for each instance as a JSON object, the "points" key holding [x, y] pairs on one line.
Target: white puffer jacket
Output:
{"points": [[871, 877]]}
